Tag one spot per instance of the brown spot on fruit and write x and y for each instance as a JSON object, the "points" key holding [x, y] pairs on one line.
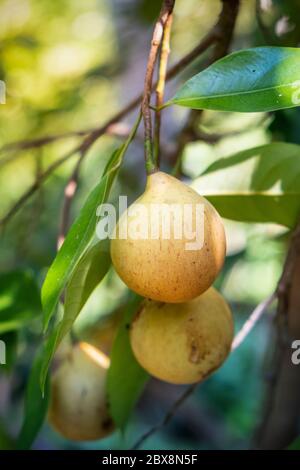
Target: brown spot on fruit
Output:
{"points": [[194, 356]]}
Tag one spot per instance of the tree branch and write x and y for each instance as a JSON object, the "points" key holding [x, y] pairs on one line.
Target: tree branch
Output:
{"points": [[224, 32], [252, 320], [116, 130], [87, 143], [160, 87], [280, 424], [34, 187], [165, 12], [69, 193], [168, 416]]}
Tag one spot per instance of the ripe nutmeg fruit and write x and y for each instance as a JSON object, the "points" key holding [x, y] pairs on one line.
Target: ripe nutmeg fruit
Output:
{"points": [[183, 343], [78, 408], [167, 266]]}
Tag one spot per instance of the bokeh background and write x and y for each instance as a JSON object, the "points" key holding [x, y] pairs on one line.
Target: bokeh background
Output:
{"points": [[69, 65]]}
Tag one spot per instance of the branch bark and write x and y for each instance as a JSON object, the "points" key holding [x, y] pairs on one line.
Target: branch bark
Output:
{"points": [[280, 425], [69, 193], [224, 31], [162, 21], [160, 87], [116, 130], [252, 320]]}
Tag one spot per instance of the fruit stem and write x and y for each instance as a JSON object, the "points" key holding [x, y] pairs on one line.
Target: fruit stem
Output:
{"points": [[160, 87], [165, 12]]}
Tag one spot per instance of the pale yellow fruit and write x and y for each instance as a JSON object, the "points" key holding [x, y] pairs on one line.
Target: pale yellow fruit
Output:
{"points": [[78, 408], [164, 269], [183, 343]]}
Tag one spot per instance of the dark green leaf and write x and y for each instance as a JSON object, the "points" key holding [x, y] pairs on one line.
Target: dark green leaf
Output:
{"points": [[19, 300], [80, 234], [87, 275], [126, 378], [261, 184], [258, 79], [36, 406]]}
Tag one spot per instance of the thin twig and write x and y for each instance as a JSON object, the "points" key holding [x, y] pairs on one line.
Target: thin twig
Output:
{"points": [[34, 187], [160, 87], [168, 416], [41, 141], [224, 31], [116, 130], [252, 320], [165, 12], [69, 194]]}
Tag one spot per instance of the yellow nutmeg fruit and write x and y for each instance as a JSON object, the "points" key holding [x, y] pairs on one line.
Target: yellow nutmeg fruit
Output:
{"points": [[78, 408], [167, 266], [183, 343]]}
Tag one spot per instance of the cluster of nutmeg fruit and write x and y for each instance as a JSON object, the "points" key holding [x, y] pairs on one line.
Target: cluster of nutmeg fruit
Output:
{"points": [[182, 332]]}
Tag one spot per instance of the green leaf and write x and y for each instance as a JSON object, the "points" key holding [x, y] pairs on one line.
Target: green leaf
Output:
{"points": [[19, 300], [252, 80], [76, 242], [88, 273], [36, 406], [261, 184], [80, 234], [126, 378]]}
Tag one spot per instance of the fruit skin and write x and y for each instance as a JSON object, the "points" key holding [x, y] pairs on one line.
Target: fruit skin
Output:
{"points": [[78, 408], [162, 269], [183, 343]]}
